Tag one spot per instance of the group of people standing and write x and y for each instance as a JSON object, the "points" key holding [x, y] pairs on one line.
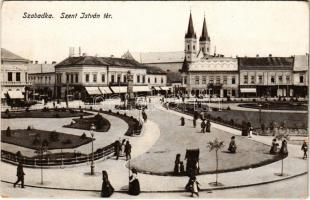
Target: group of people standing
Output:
{"points": [[122, 148], [133, 188], [283, 149]]}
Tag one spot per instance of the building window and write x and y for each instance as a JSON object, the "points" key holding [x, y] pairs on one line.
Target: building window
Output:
{"points": [[45, 79], [49, 80], [203, 49], [95, 78], [102, 78], [87, 78], [280, 79], [218, 79], [76, 78], [112, 78], [272, 79], [17, 76], [288, 79], [10, 76], [260, 79], [252, 79], [143, 79], [196, 80], [301, 79], [125, 78], [245, 79], [118, 78], [148, 80], [26, 76], [162, 80], [138, 78], [188, 47], [67, 78], [194, 47], [72, 78], [233, 80], [204, 79], [211, 81], [155, 80], [225, 80]]}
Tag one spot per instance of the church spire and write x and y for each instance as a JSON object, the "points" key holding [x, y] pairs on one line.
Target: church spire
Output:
{"points": [[190, 30], [204, 35]]}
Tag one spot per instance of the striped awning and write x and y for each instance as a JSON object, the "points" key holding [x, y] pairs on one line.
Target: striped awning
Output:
{"points": [[141, 89], [164, 88], [93, 90], [105, 90], [119, 89], [15, 95], [248, 90]]}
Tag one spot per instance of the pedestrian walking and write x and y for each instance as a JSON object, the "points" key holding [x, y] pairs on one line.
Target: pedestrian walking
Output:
{"points": [[250, 132], [193, 186], [134, 185], [283, 150], [274, 147], [203, 126], [232, 145], [208, 126], [144, 115], [177, 165], [194, 122], [304, 148], [128, 150], [20, 175], [182, 121], [106, 188], [117, 148]]}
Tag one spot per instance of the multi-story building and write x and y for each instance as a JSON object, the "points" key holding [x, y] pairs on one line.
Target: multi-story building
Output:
{"points": [[85, 76], [14, 76], [214, 76], [266, 76], [300, 75]]}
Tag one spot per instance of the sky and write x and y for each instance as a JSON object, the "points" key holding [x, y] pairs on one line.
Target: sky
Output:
{"points": [[235, 28]]}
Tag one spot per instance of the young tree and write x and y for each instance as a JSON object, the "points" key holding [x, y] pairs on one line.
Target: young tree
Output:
{"points": [[283, 151], [216, 145]]}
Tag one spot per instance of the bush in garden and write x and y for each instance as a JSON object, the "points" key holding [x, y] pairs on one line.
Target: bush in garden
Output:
{"points": [[67, 141], [54, 136], [83, 136], [19, 154], [110, 111], [7, 111], [81, 116], [28, 128], [36, 141], [63, 109], [228, 108], [45, 143], [27, 109], [8, 132], [99, 121], [232, 122]]}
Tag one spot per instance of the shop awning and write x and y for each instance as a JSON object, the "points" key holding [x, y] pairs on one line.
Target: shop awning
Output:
{"points": [[105, 90], [164, 88], [119, 89], [141, 89], [15, 95], [248, 90], [93, 90]]}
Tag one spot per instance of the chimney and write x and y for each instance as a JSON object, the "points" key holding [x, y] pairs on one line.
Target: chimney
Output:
{"points": [[36, 62], [270, 55], [54, 62]]}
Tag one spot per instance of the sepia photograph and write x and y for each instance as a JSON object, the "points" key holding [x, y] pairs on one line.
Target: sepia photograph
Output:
{"points": [[154, 100]]}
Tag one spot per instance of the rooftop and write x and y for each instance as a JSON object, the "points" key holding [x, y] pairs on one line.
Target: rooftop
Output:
{"points": [[154, 70], [265, 63], [7, 55], [159, 57], [215, 64]]}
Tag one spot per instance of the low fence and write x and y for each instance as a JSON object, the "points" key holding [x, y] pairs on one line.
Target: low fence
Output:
{"points": [[12, 158]]}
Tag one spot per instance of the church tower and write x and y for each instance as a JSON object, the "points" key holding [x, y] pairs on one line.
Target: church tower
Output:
{"points": [[204, 40], [190, 41]]}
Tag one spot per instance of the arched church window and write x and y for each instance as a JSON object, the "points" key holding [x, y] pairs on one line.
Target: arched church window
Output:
{"points": [[188, 47]]}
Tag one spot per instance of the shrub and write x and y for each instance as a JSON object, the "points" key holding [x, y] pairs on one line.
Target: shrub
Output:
{"points": [[125, 114], [45, 143], [228, 108], [7, 111], [81, 116], [100, 110], [91, 108], [63, 109], [36, 141], [83, 136], [219, 119], [28, 128], [8, 131], [54, 136], [110, 111], [232, 122], [27, 109], [99, 122], [117, 112], [67, 141], [71, 111], [71, 123]]}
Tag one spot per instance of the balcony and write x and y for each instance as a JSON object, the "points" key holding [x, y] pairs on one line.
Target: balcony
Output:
{"points": [[15, 83]]}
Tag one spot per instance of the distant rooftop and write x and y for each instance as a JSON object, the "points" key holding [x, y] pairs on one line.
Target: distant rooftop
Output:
{"points": [[265, 63], [215, 64], [154, 70], [7, 55]]}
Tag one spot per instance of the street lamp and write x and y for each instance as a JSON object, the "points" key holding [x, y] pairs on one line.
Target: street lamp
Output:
{"points": [[92, 128], [260, 113]]}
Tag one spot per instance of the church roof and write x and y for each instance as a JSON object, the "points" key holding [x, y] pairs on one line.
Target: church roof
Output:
{"points": [[215, 64], [190, 30], [204, 34], [174, 77], [185, 66], [301, 63], [7, 55], [266, 63], [154, 70]]}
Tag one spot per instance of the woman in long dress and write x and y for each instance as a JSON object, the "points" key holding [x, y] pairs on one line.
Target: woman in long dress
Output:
{"points": [[106, 188], [134, 185]]}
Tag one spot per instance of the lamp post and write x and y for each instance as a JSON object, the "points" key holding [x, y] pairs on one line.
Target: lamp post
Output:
{"points": [[92, 167], [260, 113]]}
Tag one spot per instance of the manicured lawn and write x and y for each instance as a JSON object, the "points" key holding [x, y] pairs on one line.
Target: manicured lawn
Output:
{"points": [[292, 120], [33, 138], [276, 106], [51, 113], [101, 123], [176, 139]]}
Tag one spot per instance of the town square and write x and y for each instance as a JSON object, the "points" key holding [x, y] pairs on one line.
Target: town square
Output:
{"points": [[136, 114]]}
